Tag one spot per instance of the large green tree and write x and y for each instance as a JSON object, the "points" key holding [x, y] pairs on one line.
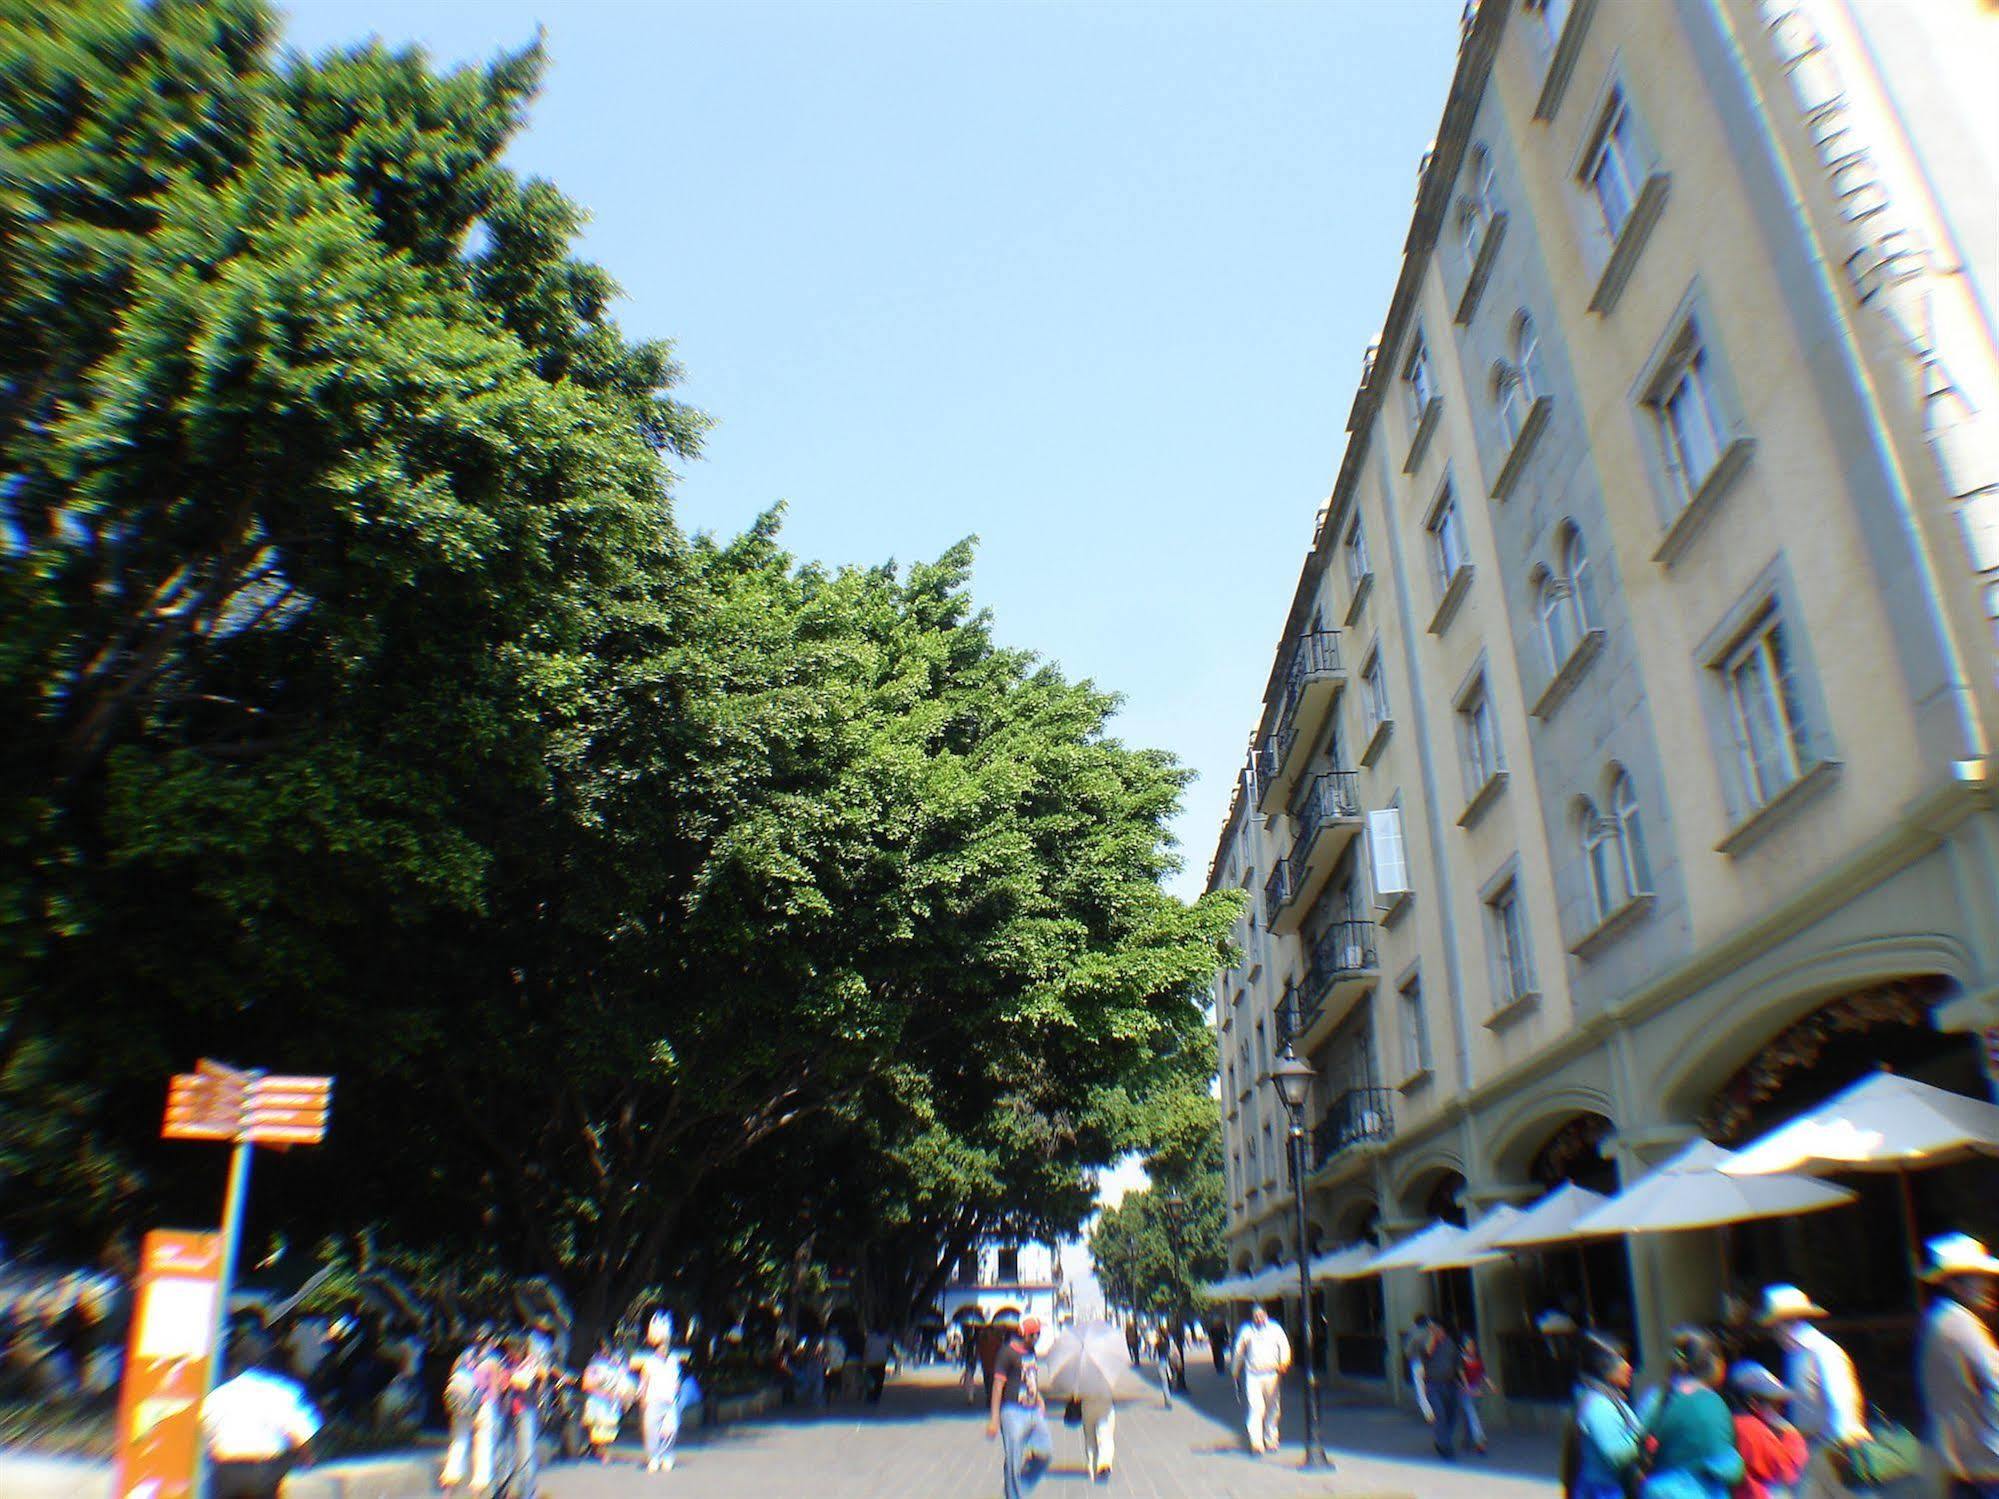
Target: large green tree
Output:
{"points": [[1159, 1245], [658, 902]]}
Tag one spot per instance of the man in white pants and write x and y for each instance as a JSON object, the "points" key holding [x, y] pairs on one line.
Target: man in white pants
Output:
{"points": [[1262, 1354]]}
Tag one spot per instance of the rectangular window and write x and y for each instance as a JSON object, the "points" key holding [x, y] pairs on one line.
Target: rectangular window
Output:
{"points": [[1479, 729], [1447, 540], [1386, 855], [1513, 976], [1417, 382], [1687, 414], [1374, 697], [1764, 707], [1415, 1029], [1355, 548], [1009, 1264], [1611, 171], [1262, 1052], [1269, 1154]]}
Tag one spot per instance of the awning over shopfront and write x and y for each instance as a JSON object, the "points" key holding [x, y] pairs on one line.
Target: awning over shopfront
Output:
{"points": [[1692, 1191], [1552, 1220]]}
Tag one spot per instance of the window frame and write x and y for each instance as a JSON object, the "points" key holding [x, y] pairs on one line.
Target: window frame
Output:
{"points": [[1414, 1027], [1375, 706], [1634, 852], [1512, 942], [1445, 528], [1419, 382], [1353, 546], [1601, 867], [1785, 710], [1478, 736], [1612, 144]]}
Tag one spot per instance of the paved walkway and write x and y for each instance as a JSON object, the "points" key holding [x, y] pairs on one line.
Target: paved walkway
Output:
{"points": [[922, 1442]]}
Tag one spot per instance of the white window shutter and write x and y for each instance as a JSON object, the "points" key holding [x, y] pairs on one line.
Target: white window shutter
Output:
{"points": [[1385, 855]]}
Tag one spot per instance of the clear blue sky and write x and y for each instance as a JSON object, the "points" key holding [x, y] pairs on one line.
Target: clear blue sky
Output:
{"points": [[1091, 282]]}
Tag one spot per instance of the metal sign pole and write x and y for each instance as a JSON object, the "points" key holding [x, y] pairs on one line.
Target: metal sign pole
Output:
{"points": [[232, 1235]]}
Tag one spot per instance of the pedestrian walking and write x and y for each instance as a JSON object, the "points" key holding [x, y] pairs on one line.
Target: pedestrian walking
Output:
{"points": [[969, 1351], [608, 1391], [1218, 1346], [1773, 1450], [523, 1386], [1414, 1346], [1826, 1404], [836, 1364], [1132, 1339], [1261, 1357], [659, 1369], [1162, 1364], [1444, 1377], [1688, 1426], [1601, 1447], [1957, 1365], [874, 1362], [471, 1402], [1477, 1384], [1017, 1415], [256, 1425]]}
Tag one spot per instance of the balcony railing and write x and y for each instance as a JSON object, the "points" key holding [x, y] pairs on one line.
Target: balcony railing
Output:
{"points": [[1357, 1116], [1279, 890], [1333, 796], [1316, 658], [1344, 950], [1294, 1015]]}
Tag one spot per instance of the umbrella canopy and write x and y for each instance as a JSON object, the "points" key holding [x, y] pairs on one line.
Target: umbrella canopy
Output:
{"points": [[1275, 1280], [1084, 1362], [1349, 1263], [1881, 1123], [1552, 1220], [1692, 1191], [1416, 1251], [1477, 1244]]}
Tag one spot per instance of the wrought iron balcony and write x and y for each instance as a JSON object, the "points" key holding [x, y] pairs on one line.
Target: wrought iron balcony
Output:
{"points": [[1341, 966], [1279, 891], [1357, 1117], [1312, 679], [1294, 1016], [1326, 820]]}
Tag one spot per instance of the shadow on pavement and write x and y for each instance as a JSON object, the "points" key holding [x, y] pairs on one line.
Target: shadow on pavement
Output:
{"points": [[1368, 1429]]}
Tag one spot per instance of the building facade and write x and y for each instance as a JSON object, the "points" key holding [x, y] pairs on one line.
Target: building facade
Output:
{"points": [[1005, 1281], [1627, 767]]}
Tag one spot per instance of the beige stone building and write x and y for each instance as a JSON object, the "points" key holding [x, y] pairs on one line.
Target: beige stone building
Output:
{"points": [[1627, 767]]}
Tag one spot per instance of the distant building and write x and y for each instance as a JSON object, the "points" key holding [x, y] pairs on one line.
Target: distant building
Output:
{"points": [[1007, 1280], [1626, 770]]}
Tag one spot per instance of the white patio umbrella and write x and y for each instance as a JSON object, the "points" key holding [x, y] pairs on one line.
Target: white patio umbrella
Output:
{"points": [[1692, 1191], [1350, 1263], [1475, 1246], [1225, 1289], [1552, 1220], [1884, 1122], [1414, 1252]]}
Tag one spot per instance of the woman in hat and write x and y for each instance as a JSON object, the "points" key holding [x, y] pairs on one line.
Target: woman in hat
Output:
{"points": [[1957, 1365], [1826, 1404], [1689, 1426], [1773, 1450]]}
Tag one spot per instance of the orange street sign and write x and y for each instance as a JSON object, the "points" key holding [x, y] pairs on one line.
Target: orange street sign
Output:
{"points": [[197, 1109], [168, 1363], [287, 1110]]}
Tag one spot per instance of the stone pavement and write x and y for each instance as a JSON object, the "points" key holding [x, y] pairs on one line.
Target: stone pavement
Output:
{"points": [[923, 1442]]}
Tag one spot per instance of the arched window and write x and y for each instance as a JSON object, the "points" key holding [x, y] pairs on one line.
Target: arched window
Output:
{"points": [[1574, 561], [1506, 396], [1475, 210], [1558, 634], [1599, 859], [1527, 357], [1630, 836]]}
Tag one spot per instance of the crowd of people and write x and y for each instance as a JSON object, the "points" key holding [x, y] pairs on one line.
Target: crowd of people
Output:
{"points": [[62, 1338]]}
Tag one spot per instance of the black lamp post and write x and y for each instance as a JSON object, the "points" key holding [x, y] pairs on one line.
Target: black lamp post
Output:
{"points": [[1293, 1077], [1174, 1207]]}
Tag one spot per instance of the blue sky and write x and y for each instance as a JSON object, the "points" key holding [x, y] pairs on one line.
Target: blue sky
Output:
{"points": [[1091, 282]]}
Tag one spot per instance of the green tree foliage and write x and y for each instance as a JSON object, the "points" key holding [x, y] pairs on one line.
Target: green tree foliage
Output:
{"points": [[663, 905], [1155, 1249]]}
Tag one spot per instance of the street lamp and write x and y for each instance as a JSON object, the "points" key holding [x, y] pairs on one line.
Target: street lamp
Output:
{"points": [[1293, 1076], [1174, 1207]]}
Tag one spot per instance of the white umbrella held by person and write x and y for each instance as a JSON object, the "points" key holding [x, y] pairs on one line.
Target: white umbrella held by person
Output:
{"points": [[1085, 1362]]}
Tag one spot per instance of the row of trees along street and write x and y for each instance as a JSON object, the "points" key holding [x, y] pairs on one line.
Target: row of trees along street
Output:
{"points": [[670, 909]]}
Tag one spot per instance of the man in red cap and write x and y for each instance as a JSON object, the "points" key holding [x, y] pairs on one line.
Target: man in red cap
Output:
{"points": [[1019, 1418]]}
